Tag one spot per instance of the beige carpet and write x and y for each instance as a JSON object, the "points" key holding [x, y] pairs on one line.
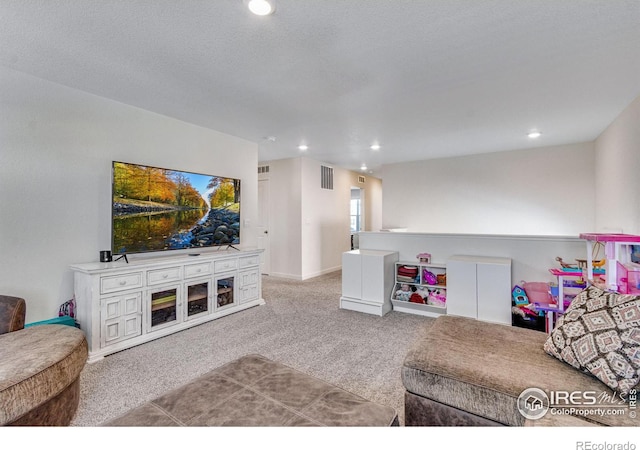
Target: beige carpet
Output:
{"points": [[301, 325]]}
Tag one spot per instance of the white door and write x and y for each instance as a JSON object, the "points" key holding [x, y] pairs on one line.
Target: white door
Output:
{"points": [[263, 225]]}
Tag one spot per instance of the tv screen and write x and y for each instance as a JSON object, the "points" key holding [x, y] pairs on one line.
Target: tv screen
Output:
{"points": [[157, 209]]}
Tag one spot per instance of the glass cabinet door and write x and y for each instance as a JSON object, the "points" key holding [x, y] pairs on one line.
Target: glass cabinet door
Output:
{"points": [[225, 297], [197, 299], [164, 307]]}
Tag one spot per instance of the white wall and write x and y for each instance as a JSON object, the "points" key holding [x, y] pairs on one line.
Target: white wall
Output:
{"points": [[56, 148], [285, 222], [325, 219], [531, 256], [373, 204], [617, 173], [543, 191], [309, 227]]}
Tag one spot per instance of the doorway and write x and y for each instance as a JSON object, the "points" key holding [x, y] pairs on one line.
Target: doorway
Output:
{"points": [[357, 215], [263, 226]]}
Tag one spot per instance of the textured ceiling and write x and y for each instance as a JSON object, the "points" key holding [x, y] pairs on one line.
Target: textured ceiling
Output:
{"points": [[425, 79]]}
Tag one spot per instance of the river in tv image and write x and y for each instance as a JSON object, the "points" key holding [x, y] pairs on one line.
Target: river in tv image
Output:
{"points": [[175, 230], [161, 209]]}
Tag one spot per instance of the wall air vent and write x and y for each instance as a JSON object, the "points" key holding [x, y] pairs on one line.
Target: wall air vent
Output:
{"points": [[263, 169], [360, 179], [326, 177]]}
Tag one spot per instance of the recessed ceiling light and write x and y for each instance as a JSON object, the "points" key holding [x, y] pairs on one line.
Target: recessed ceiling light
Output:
{"points": [[375, 147], [261, 7], [534, 135], [363, 167], [303, 147]]}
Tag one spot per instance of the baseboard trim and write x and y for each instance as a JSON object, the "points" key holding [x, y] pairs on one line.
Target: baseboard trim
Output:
{"points": [[289, 276]]}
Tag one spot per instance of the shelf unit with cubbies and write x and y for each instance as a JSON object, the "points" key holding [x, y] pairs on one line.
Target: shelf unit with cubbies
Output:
{"points": [[420, 288]]}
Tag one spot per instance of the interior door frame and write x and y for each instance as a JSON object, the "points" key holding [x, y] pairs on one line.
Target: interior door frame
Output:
{"points": [[263, 238]]}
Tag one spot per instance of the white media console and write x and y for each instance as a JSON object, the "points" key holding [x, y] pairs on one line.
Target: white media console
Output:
{"points": [[120, 305]]}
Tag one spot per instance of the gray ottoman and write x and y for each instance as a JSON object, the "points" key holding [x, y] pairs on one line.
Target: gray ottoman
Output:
{"points": [[255, 391]]}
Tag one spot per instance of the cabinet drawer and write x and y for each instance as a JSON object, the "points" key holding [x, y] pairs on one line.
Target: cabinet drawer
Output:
{"points": [[249, 261], [120, 282], [158, 276], [225, 265], [196, 270]]}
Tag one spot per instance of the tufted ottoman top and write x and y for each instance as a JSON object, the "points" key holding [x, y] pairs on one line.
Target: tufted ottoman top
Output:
{"points": [[255, 391], [36, 364]]}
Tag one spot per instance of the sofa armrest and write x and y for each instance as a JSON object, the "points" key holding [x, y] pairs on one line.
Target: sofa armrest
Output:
{"points": [[12, 313]]}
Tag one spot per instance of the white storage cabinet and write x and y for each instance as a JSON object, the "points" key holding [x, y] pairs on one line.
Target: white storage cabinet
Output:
{"points": [[479, 287], [367, 280]]}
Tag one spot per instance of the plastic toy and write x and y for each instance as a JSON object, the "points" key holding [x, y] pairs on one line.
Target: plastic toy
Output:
{"points": [[565, 265], [526, 306], [429, 277], [619, 267], [424, 257], [519, 296]]}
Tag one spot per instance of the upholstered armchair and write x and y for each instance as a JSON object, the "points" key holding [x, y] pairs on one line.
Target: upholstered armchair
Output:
{"points": [[39, 369], [12, 313]]}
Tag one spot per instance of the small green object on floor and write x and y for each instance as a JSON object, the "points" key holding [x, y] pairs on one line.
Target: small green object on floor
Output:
{"points": [[62, 320]]}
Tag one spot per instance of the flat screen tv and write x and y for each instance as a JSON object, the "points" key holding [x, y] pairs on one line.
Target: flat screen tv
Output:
{"points": [[156, 209]]}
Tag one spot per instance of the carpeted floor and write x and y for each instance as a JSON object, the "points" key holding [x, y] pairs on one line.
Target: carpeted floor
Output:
{"points": [[301, 326]]}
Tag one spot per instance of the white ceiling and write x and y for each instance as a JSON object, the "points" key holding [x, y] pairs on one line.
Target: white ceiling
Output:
{"points": [[425, 79]]}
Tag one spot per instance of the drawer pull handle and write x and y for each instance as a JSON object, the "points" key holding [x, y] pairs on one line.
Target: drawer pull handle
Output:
{"points": [[123, 282], [166, 275], [199, 270]]}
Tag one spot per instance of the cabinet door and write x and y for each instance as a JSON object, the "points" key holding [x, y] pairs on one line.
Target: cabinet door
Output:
{"points": [[225, 292], [121, 318], [378, 276], [198, 296], [122, 328], [494, 293], [373, 279], [352, 274], [248, 285], [461, 289], [163, 305]]}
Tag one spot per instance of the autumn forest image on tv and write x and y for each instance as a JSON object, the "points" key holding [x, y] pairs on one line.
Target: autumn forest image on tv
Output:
{"points": [[161, 209]]}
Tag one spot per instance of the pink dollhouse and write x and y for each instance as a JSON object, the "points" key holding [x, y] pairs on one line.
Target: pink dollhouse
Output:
{"points": [[620, 273]]}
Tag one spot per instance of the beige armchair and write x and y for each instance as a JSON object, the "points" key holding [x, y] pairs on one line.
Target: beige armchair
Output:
{"points": [[12, 313], [39, 369]]}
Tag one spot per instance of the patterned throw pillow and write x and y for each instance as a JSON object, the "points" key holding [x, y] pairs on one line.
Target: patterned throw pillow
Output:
{"points": [[599, 334]]}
